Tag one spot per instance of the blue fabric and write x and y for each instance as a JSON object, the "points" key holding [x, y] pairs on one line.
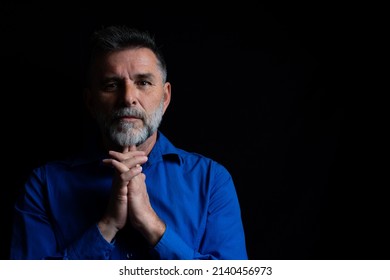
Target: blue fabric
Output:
{"points": [[56, 216]]}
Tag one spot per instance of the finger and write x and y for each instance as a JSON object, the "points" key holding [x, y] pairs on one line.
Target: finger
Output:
{"points": [[121, 156], [129, 163], [119, 166], [126, 174], [132, 148], [132, 173], [123, 168]]}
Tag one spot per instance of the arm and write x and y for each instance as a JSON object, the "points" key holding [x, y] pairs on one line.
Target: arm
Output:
{"points": [[223, 235], [42, 216], [34, 235]]}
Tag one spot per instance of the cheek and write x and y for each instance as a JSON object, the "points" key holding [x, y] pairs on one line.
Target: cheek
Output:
{"points": [[103, 106], [151, 106]]}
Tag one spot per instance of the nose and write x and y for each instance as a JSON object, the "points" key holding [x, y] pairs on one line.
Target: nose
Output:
{"points": [[130, 94]]}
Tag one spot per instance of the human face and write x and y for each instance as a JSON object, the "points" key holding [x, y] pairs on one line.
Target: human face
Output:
{"points": [[128, 96]]}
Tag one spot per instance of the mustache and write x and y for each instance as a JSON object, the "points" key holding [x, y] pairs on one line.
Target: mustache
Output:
{"points": [[122, 112]]}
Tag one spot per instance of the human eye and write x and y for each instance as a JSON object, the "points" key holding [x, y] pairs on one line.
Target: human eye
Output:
{"points": [[110, 85], [143, 83], [144, 80]]}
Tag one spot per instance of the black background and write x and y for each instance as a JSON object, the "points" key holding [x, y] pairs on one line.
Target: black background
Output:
{"points": [[271, 92]]}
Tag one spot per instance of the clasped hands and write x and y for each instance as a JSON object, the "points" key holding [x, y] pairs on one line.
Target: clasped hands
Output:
{"points": [[129, 200]]}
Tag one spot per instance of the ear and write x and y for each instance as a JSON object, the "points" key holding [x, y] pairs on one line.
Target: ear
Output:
{"points": [[167, 95]]}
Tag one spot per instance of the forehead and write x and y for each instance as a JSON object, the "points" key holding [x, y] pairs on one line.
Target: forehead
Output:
{"points": [[126, 61]]}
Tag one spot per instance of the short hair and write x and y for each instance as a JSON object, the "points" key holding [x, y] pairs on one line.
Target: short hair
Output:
{"points": [[121, 37]]}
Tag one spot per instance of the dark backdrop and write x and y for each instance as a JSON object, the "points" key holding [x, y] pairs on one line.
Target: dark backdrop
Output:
{"points": [[264, 90]]}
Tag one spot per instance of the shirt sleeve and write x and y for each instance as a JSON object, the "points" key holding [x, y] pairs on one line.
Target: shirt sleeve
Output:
{"points": [[33, 236], [223, 237]]}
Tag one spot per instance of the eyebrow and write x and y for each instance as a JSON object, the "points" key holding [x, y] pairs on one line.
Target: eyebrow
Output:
{"points": [[137, 76], [145, 76]]}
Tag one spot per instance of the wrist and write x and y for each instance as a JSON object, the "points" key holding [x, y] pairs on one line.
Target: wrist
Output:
{"points": [[107, 229]]}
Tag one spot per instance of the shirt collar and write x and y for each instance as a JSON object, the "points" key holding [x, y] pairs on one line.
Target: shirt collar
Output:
{"points": [[163, 150]]}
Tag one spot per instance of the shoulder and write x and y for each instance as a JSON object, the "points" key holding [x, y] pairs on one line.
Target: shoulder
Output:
{"points": [[192, 161], [67, 164], [195, 158]]}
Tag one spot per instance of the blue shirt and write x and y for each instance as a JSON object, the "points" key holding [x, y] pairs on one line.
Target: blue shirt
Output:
{"points": [[56, 216]]}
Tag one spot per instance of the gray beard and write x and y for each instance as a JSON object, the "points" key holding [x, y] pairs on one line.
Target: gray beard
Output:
{"points": [[126, 134]]}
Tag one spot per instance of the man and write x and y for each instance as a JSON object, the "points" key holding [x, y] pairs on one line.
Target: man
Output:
{"points": [[136, 196]]}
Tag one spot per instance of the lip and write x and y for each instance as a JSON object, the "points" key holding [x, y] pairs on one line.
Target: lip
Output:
{"points": [[128, 118]]}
